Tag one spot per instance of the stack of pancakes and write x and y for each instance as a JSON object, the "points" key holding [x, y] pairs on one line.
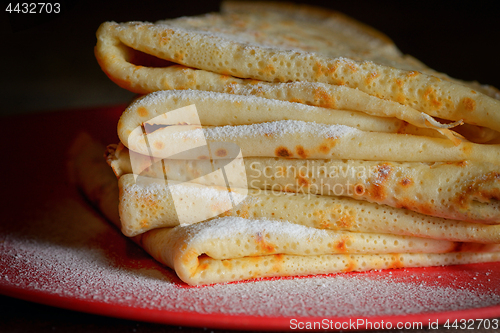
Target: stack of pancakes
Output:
{"points": [[279, 139]]}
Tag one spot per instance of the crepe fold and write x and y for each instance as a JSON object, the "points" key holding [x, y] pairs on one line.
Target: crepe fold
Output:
{"points": [[463, 191], [145, 127], [149, 203], [297, 54], [234, 248]]}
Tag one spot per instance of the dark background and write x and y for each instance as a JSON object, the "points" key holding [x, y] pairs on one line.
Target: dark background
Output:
{"points": [[48, 62]]}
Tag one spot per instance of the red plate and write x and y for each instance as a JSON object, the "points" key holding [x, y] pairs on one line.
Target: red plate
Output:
{"points": [[55, 249]]}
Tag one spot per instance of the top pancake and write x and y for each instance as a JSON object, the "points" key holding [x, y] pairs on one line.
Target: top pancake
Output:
{"points": [[287, 43]]}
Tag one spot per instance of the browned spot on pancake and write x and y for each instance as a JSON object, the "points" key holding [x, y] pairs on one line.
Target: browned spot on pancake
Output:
{"points": [[341, 245], [371, 77], [421, 207], [159, 145], [324, 224], [399, 82], [352, 67], [351, 265], [396, 262], [426, 208], [142, 111], [402, 127], [324, 148], [301, 151], [377, 188], [178, 56], [203, 267], [302, 180], [469, 104], [269, 69], [472, 91], [319, 69], [144, 223], [335, 217], [226, 213], [326, 145], [148, 203], [243, 212], [283, 152], [406, 182], [203, 157], [323, 98], [430, 95], [227, 263], [484, 188], [458, 247], [297, 100], [278, 263], [345, 221], [359, 189], [321, 219], [333, 67], [221, 152], [189, 256]]}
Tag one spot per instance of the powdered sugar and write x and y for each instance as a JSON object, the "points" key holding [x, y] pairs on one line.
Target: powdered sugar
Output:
{"points": [[227, 227], [164, 97], [146, 186], [278, 129], [101, 266]]}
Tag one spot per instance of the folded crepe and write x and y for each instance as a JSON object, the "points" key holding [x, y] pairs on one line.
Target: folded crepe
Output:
{"points": [[458, 191], [280, 90], [298, 54], [145, 127], [234, 248]]}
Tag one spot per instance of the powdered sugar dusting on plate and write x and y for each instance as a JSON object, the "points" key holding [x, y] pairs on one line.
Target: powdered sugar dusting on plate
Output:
{"points": [[122, 274]]}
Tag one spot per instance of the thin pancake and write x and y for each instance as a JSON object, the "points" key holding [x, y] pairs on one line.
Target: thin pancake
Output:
{"points": [[278, 47], [299, 139], [218, 109], [148, 203], [464, 190], [184, 248]]}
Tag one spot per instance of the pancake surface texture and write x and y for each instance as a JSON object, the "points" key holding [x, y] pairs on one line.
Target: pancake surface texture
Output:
{"points": [[279, 139]]}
